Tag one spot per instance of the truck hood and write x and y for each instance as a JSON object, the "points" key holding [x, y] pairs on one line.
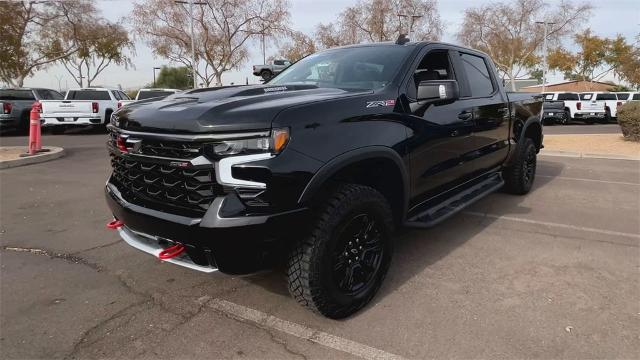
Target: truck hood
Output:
{"points": [[222, 109]]}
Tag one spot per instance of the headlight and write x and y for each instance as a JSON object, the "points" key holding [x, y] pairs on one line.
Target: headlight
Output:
{"points": [[273, 144]]}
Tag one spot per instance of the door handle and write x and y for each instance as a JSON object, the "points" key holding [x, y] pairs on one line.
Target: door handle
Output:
{"points": [[465, 115]]}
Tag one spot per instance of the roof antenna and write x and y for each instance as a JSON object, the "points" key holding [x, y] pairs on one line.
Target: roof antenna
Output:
{"points": [[402, 39]]}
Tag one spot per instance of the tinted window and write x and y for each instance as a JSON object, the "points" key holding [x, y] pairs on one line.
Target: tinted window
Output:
{"points": [[16, 95], [623, 96], [278, 62], [365, 67], [153, 94], [54, 95], [636, 96], [124, 96], [548, 97], [478, 75], [606, 97], [88, 95], [117, 95], [568, 96], [586, 96]]}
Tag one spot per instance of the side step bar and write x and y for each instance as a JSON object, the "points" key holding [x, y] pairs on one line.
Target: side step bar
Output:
{"points": [[150, 245], [442, 210]]}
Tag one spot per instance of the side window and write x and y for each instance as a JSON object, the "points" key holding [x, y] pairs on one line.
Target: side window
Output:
{"points": [[44, 94], [116, 95], [124, 96], [54, 95], [278, 62], [435, 65], [477, 75]]}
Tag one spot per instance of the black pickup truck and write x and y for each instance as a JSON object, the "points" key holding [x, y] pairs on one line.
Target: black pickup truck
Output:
{"points": [[316, 168]]}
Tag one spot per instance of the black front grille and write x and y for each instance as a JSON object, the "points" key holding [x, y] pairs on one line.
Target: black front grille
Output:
{"points": [[183, 150], [188, 191]]}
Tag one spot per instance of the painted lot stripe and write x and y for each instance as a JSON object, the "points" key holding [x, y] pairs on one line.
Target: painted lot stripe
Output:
{"points": [[551, 224], [303, 332], [589, 180]]}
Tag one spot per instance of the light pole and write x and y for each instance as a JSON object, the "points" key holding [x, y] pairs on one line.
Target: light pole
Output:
{"points": [[544, 51], [193, 46], [413, 19], [154, 75]]}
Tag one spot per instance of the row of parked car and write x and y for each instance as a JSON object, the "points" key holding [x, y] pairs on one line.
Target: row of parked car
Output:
{"points": [[78, 107], [562, 107]]}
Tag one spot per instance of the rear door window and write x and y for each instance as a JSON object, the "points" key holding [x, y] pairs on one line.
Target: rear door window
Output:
{"points": [[586, 96], [636, 96], [623, 96], [478, 75], [9, 94], [88, 95], [568, 96]]}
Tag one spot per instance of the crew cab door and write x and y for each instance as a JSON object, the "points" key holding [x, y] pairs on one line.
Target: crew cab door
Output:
{"points": [[440, 135], [482, 96]]}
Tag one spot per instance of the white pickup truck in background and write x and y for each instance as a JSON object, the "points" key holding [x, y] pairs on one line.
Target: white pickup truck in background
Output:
{"points": [[81, 107], [592, 108], [144, 94]]}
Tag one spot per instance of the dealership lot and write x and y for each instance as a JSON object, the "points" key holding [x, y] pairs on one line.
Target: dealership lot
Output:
{"points": [[549, 275]]}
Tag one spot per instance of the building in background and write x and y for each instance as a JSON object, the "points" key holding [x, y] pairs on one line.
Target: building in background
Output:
{"points": [[574, 86]]}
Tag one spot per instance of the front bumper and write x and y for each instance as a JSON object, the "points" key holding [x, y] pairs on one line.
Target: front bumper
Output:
{"points": [[233, 245]]}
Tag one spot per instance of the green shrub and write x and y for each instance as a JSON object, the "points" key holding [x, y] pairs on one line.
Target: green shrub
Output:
{"points": [[629, 120]]}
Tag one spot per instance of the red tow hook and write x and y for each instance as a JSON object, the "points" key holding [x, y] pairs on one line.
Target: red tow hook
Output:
{"points": [[171, 252], [114, 224]]}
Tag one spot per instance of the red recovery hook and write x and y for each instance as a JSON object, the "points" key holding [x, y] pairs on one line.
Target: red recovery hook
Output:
{"points": [[171, 252], [114, 224]]}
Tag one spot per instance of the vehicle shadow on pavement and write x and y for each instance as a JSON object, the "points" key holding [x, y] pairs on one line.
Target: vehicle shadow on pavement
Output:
{"points": [[417, 249]]}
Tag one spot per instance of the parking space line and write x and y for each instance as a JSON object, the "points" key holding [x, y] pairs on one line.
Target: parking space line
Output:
{"points": [[589, 180], [551, 224], [300, 331]]}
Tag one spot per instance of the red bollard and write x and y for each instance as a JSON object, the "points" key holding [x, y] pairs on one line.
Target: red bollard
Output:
{"points": [[35, 130]]}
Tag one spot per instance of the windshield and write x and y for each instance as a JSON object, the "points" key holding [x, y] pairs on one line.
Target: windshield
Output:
{"points": [[153, 94], [367, 67]]}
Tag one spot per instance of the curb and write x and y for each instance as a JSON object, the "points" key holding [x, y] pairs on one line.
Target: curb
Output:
{"points": [[54, 153], [587, 155]]}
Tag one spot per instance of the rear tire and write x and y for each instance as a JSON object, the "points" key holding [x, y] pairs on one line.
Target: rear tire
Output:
{"points": [[567, 116], [518, 177], [338, 268], [266, 75]]}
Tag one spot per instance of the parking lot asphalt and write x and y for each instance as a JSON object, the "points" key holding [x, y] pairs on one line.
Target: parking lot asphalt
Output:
{"points": [[553, 274]]}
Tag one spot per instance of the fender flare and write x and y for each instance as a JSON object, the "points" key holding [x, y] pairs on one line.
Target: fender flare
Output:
{"points": [[351, 157], [530, 121]]}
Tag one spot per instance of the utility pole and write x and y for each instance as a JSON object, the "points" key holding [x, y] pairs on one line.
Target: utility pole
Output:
{"points": [[413, 19], [544, 51], [193, 46]]}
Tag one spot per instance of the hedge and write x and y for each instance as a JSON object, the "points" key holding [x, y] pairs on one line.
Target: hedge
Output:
{"points": [[629, 120]]}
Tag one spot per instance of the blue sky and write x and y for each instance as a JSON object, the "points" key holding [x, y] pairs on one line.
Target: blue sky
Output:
{"points": [[609, 18]]}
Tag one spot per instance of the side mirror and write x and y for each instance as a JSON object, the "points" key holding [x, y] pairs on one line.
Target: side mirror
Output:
{"points": [[438, 90]]}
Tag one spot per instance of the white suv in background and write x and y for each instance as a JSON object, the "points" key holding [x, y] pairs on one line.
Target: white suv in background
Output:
{"points": [[572, 103]]}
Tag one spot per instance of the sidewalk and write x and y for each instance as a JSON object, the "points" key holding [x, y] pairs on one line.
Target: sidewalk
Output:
{"points": [[608, 146]]}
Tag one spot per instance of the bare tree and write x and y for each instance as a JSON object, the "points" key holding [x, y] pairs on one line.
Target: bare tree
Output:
{"points": [[223, 30], [36, 34], [299, 46], [100, 44], [509, 34], [382, 20]]}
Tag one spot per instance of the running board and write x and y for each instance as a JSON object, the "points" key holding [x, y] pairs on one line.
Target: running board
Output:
{"points": [[442, 210]]}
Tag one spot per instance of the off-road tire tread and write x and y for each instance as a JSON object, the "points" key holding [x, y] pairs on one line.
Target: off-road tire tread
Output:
{"points": [[304, 258], [513, 174]]}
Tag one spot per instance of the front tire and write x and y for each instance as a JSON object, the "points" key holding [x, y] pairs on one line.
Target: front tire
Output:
{"points": [[266, 75], [337, 269], [518, 177]]}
